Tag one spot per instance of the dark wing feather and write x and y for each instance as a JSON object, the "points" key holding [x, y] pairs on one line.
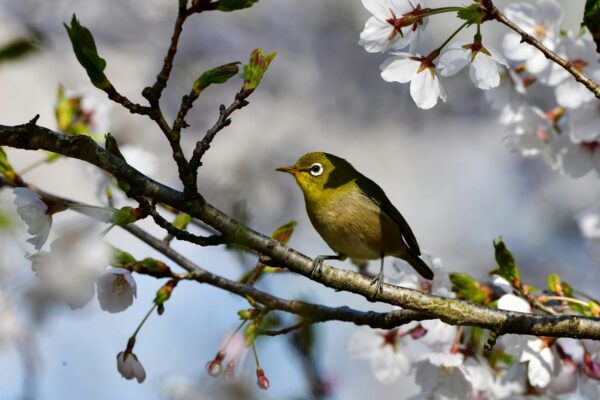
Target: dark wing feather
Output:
{"points": [[377, 195]]}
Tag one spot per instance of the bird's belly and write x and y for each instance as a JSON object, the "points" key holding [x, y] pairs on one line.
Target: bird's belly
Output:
{"points": [[358, 231]]}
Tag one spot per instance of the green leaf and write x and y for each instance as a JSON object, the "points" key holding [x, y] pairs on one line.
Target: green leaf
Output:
{"points": [[125, 216], [84, 47], [18, 48], [164, 293], [231, 5], [555, 285], [150, 266], [110, 144], [256, 68], [122, 259], [591, 20], [473, 14], [182, 220], [507, 268], [468, 288], [284, 232], [217, 75], [246, 314], [6, 169]]}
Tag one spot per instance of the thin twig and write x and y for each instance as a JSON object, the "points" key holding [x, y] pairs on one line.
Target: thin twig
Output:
{"points": [[281, 331], [496, 14]]}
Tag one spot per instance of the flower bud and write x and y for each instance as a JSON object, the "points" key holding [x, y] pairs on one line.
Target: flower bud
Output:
{"points": [[214, 367], [261, 380]]}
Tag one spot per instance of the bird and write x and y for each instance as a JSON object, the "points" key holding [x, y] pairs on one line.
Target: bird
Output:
{"points": [[353, 215]]}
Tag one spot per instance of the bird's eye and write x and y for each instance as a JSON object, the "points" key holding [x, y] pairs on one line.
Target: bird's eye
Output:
{"points": [[316, 169]]}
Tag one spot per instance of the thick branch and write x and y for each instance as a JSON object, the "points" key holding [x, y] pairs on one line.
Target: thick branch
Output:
{"points": [[451, 311], [527, 38], [312, 312]]}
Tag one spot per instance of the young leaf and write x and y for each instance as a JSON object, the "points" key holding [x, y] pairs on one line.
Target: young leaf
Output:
{"points": [[84, 47], [591, 19], [122, 259], [18, 48], [216, 75], [231, 5], [256, 68], [182, 220], [284, 232], [473, 14], [507, 268], [6, 168], [468, 288], [555, 285]]}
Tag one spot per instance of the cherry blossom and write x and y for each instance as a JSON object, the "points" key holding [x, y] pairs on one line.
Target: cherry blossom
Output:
{"points": [[483, 62], [32, 209], [425, 86], [72, 266], [394, 24], [540, 20], [388, 360], [130, 367], [116, 289], [581, 53]]}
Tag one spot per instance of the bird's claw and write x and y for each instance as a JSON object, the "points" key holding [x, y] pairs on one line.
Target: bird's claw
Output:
{"points": [[378, 282], [316, 266]]}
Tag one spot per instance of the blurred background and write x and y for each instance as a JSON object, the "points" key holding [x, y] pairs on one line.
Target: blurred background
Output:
{"points": [[447, 170]]}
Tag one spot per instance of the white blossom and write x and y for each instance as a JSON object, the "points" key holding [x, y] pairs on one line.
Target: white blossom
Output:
{"points": [[580, 158], [72, 266], [540, 20], [441, 383], [384, 29], [35, 213], [130, 367], [483, 62], [116, 289], [581, 53], [425, 86], [388, 360]]}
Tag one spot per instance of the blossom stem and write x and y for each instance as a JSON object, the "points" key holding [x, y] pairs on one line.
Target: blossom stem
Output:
{"points": [[230, 338], [546, 299], [434, 54], [143, 321], [433, 11], [255, 355]]}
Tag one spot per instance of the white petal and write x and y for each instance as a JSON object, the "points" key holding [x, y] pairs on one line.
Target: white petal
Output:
{"points": [[425, 88], [572, 94], [388, 364], [399, 69], [447, 360], [514, 49], [536, 63], [511, 302], [484, 72], [364, 342], [549, 12], [453, 60], [375, 38]]}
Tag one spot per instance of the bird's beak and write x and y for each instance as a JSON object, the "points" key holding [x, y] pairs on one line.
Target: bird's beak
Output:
{"points": [[289, 169]]}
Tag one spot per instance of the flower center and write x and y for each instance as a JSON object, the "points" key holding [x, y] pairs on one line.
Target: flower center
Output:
{"points": [[590, 147], [579, 64], [390, 338], [119, 285], [540, 31]]}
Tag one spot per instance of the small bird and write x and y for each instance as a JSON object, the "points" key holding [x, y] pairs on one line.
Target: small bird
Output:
{"points": [[353, 215]]}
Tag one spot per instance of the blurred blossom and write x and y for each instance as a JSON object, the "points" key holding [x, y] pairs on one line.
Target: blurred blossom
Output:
{"points": [[584, 122], [513, 303], [385, 30], [540, 20], [425, 86], [441, 383], [581, 53], [484, 62], [130, 367], [35, 213], [70, 269], [408, 278], [83, 112], [508, 97], [116, 289], [381, 348]]}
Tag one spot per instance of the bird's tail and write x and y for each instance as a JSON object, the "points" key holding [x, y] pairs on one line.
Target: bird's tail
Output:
{"points": [[419, 265]]}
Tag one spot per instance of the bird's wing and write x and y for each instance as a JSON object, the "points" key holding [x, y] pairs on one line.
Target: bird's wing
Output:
{"points": [[371, 190]]}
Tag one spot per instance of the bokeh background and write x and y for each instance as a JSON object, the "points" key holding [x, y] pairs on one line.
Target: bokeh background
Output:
{"points": [[448, 170]]}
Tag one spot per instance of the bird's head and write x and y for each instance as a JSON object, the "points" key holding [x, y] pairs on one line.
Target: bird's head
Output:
{"points": [[316, 172]]}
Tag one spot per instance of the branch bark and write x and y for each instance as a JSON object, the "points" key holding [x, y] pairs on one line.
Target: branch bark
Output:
{"points": [[451, 311]]}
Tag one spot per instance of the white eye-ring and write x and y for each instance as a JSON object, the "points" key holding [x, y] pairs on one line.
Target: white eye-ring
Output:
{"points": [[316, 169]]}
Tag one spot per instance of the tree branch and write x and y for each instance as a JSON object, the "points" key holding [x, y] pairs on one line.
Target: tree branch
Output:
{"points": [[451, 311], [497, 15]]}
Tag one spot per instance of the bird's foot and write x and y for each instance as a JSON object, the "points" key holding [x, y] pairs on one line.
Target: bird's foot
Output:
{"points": [[316, 266], [378, 282]]}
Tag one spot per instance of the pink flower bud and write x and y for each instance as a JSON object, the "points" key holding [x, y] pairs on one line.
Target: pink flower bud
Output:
{"points": [[261, 380], [214, 367]]}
